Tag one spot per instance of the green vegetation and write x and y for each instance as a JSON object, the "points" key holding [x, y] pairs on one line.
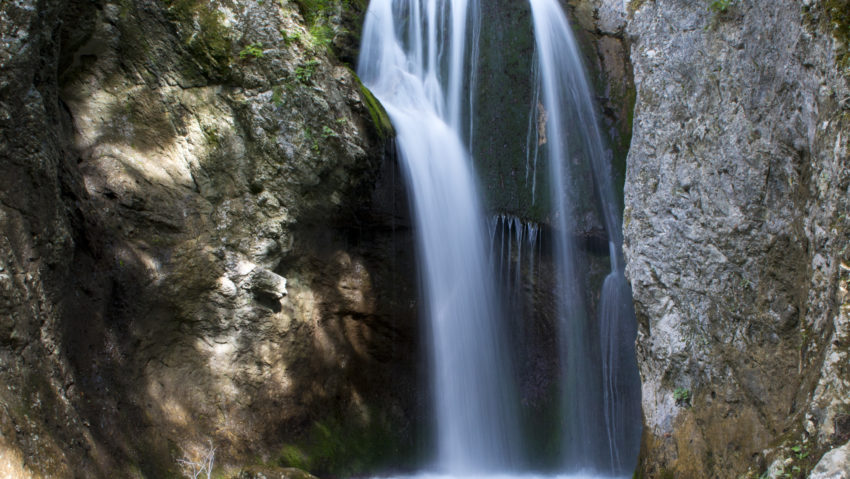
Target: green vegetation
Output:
{"points": [[211, 135], [833, 18], [311, 10], [838, 24], [322, 35], [800, 451], [277, 96], [327, 132], [720, 6], [304, 73], [254, 50], [339, 449], [380, 119], [324, 22], [288, 38], [316, 13], [309, 138], [796, 461], [682, 396]]}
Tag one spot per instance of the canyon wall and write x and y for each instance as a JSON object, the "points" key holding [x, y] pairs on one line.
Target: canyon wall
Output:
{"points": [[204, 243], [736, 233]]}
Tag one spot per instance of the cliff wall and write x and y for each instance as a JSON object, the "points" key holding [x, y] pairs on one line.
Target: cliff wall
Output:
{"points": [[203, 242], [737, 231]]}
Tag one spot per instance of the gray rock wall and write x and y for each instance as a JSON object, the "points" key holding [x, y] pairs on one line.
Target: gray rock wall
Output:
{"points": [[736, 234], [202, 243]]}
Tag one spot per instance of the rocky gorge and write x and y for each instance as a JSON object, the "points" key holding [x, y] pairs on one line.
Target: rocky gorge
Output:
{"points": [[206, 241]]}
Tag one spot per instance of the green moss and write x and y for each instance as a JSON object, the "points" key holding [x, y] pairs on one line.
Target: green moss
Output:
{"points": [[322, 35], [837, 13], [635, 5], [212, 136], [312, 10], [254, 50], [277, 96], [383, 125], [335, 447], [666, 474], [203, 32], [334, 26], [304, 73], [720, 6], [317, 14], [833, 18]]}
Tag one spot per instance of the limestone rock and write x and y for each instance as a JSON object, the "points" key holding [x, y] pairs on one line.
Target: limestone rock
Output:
{"points": [[180, 182], [735, 225], [833, 465]]}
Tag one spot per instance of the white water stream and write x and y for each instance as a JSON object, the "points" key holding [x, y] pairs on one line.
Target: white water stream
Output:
{"points": [[415, 57], [412, 58], [601, 386]]}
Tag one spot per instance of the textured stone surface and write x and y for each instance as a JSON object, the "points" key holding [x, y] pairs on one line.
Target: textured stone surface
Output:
{"points": [[255, 472], [507, 120], [736, 227], [834, 464], [200, 242]]}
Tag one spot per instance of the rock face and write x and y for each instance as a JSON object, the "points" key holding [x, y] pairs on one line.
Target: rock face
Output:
{"points": [[736, 233], [202, 242], [834, 465], [509, 115]]}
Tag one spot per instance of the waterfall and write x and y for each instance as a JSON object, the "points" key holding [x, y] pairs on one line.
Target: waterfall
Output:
{"points": [[480, 276], [412, 58], [601, 404]]}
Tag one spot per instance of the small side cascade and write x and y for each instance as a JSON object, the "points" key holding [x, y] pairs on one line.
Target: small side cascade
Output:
{"points": [[517, 246], [516, 250], [536, 135], [601, 392]]}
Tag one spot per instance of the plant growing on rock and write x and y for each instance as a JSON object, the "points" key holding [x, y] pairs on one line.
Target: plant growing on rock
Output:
{"points": [[327, 132], [277, 96], [720, 6], [682, 396], [304, 73], [254, 50]]}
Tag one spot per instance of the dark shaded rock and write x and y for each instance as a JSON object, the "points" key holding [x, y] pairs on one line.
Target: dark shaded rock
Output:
{"points": [[197, 233], [263, 472]]}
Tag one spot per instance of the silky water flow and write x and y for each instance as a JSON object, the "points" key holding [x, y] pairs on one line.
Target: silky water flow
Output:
{"points": [[414, 56], [601, 386]]}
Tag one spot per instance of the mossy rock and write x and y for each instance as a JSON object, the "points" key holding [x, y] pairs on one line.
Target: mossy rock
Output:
{"points": [[202, 30], [380, 119], [335, 25], [837, 22], [272, 472], [340, 447]]}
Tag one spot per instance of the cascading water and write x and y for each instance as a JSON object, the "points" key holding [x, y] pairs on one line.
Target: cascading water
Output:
{"points": [[402, 61], [413, 57], [602, 412]]}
